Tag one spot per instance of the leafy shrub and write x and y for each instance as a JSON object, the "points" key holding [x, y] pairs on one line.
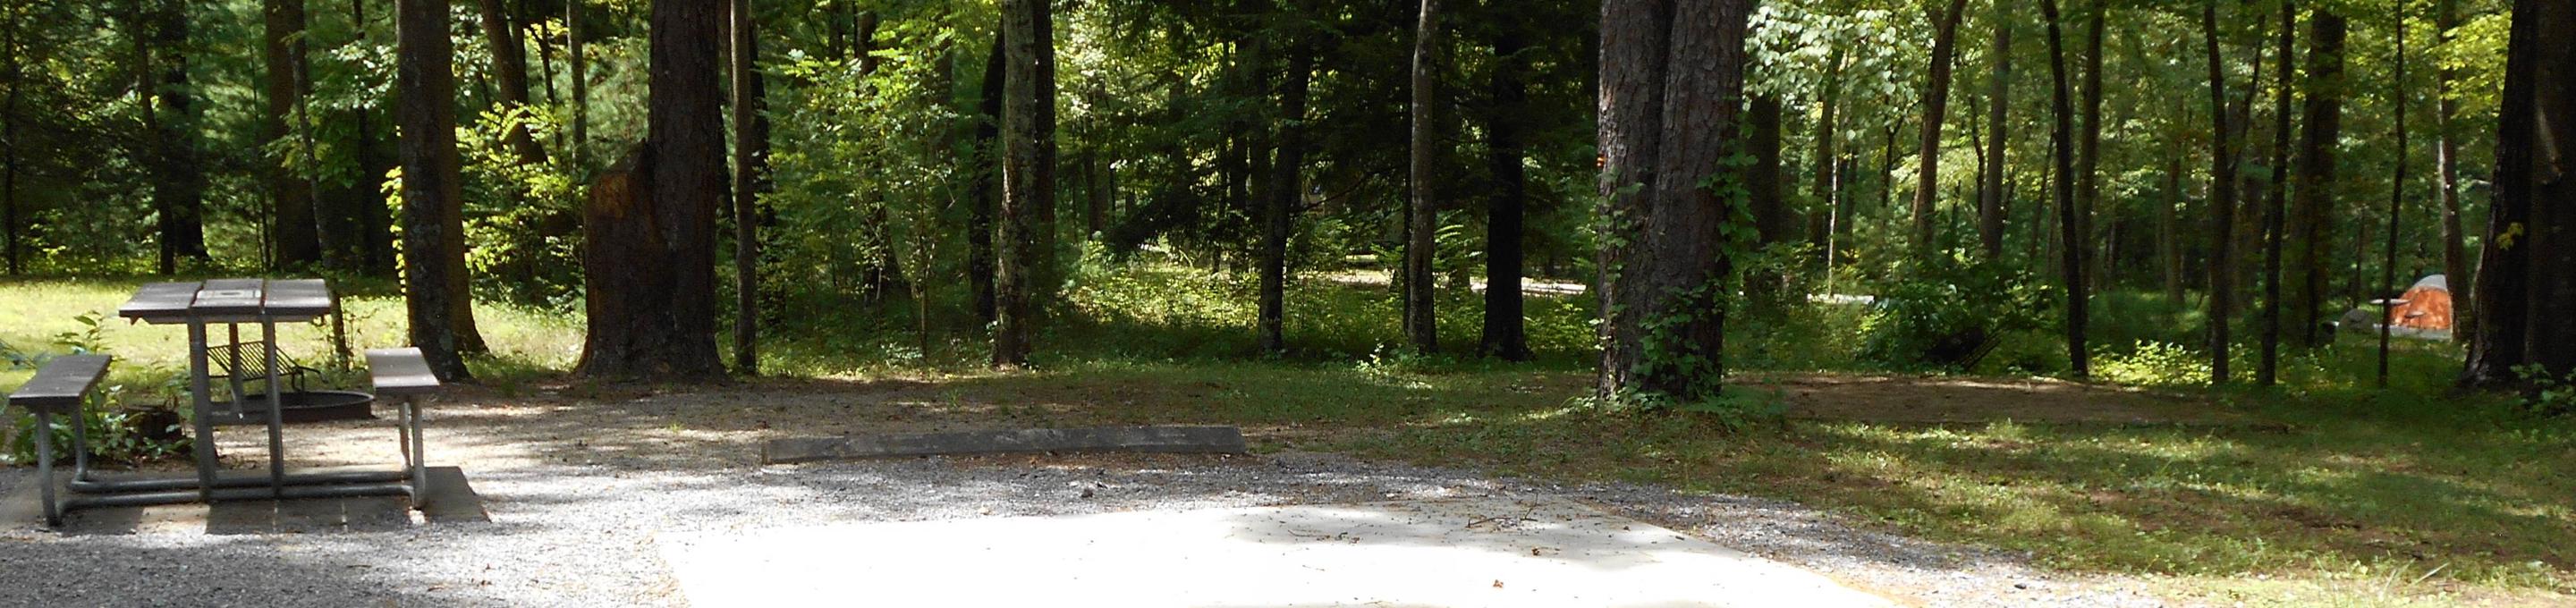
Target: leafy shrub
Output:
{"points": [[1949, 312], [2154, 364], [115, 434], [2547, 395]]}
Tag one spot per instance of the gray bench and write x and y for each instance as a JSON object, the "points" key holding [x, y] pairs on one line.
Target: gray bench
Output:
{"points": [[402, 373], [62, 386]]}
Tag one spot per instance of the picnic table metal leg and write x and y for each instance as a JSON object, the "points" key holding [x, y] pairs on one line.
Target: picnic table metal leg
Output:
{"points": [[276, 411], [415, 457], [232, 377], [202, 404], [45, 467]]}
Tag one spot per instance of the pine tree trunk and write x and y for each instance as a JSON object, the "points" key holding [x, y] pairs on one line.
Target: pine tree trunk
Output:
{"points": [[290, 204], [1672, 72], [1028, 177], [1421, 325], [750, 180], [1505, 333], [2312, 206], [2070, 217], [650, 264], [1936, 107], [432, 188]]}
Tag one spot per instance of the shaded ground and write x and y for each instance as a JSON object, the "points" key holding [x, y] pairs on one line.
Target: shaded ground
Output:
{"points": [[1935, 399]]}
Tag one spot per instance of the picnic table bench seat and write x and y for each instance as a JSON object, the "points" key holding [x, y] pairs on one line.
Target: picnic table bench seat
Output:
{"points": [[60, 387]]}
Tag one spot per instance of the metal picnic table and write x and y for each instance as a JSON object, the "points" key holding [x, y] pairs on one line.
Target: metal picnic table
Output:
{"points": [[233, 303]]}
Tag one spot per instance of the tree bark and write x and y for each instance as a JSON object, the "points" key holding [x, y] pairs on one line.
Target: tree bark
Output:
{"points": [[1990, 190], [434, 285], [2168, 233], [1828, 192], [1028, 176], [750, 180], [1505, 333], [1767, 200], [290, 204], [2088, 145], [2312, 207], [9, 143], [1278, 211], [375, 236], [2275, 207], [510, 74], [1936, 107], [2455, 254], [985, 193], [2523, 288], [2222, 194], [650, 264], [580, 76], [1421, 325], [2070, 217], [1672, 77]]}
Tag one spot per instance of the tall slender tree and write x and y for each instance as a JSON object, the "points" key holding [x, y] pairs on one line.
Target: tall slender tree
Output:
{"points": [[750, 180], [434, 285], [1990, 183], [2070, 218], [2276, 204], [2222, 204], [1936, 106], [10, 133], [1672, 80], [1286, 189], [984, 191], [294, 235], [510, 76], [2446, 173], [2312, 205], [1421, 325], [1028, 176], [2396, 198]]}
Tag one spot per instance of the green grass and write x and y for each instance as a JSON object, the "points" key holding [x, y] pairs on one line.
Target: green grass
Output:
{"points": [[2331, 492]]}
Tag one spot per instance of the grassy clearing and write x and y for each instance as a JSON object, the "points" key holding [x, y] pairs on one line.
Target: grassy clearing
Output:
{"points": [[2328, 492]]}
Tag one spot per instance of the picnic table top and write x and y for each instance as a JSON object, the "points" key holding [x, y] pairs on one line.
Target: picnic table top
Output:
{"points": [[229, 299]]}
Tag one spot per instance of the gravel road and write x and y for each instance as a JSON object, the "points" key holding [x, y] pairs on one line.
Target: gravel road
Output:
{"points": [[573, 522]]}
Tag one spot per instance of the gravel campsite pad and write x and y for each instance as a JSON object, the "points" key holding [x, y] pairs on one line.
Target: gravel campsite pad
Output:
{"points": [[580, 491]]}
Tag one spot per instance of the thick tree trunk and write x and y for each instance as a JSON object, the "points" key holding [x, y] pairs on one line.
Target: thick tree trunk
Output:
{"points": [[2455, 254], [1936, 107], [1421, 325], [650, 264], [290, 204], [434, 285], [1990, 184], [2070, 217], [750, 180], [2523, 288], [1505, 332], [1286, 189], [2222, 203], [510, 75], [2275, 206], [1028, 176], [2312, 207], [1672, 75], [985, 193]]}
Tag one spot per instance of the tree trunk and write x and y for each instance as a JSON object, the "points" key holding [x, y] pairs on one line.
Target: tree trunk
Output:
{"points": [[432, 188], [2275, 207], [375, 234], [2523, 288], [1505, 334], [985, 194], [1278, 210], [9, 143], [290, 204], [1672, 75], [650, 265], [1766, 198], [2396, 198], [510, 73], [1827, 191], [2168, 233], [1990, 189], [1028, 176], [2455, 254], [1421, 326], [2222, 203], [580, 82], [2088, 145], [2312, 207], [750, 180], [2070, 218], [1936, 107]]}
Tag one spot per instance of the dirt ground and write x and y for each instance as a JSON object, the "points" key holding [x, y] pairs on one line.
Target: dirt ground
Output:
{"points": [[1942, 400]]}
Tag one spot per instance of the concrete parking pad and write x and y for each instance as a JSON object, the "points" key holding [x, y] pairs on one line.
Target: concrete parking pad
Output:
{"points": [[1541, 552]]}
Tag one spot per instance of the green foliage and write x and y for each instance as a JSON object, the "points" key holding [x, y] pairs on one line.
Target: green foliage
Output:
{"points": [[2154, 364], [2548, 395], [1947, 312], [114, 434]]}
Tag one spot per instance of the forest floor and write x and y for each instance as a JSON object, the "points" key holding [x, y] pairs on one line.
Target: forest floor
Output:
{"points": [[1936, 488]]}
